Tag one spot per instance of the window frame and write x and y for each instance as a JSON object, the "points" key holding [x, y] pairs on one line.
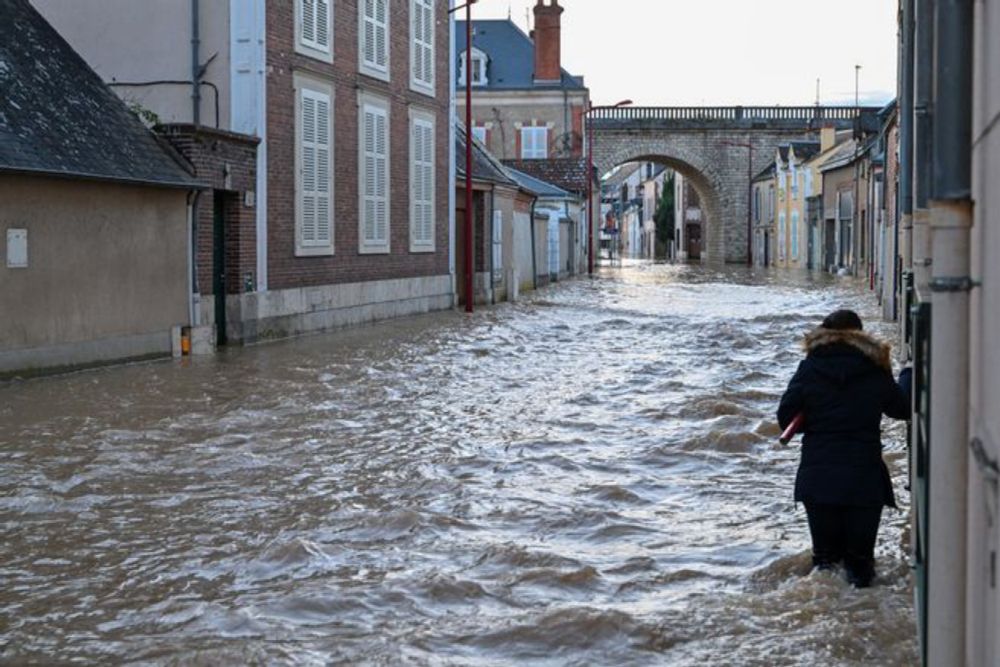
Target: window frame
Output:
{"points": [[314, 87], [479, 57], [372, 69], [420, 117], [313, 50], [368, 100], [545, 145]]}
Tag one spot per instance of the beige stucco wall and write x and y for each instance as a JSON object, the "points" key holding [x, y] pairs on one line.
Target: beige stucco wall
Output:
{"points": [[106, 276], [150, 40]]}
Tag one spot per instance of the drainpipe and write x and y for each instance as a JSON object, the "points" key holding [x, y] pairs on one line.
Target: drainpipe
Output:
{"points": [[452, 177], [922, 128], [950, 283], [195, 66], [534, 252], [194, 316], [905, 213]]}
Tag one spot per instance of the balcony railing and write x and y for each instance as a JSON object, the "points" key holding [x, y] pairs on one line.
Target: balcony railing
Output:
{"points": [[737, 113]]}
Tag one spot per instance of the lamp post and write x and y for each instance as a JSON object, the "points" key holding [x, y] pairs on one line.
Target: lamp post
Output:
{"points": [[469, 235], [590, 180], [749, 146]]}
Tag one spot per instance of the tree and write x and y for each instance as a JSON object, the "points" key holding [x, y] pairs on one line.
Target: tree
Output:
{"points": [[664, 218]]}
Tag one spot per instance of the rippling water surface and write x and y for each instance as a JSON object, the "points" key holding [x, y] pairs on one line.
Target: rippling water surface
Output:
{"points": [[590, 476]]}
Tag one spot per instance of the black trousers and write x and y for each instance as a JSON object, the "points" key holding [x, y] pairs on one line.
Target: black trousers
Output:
{"points": [[845, 533]]}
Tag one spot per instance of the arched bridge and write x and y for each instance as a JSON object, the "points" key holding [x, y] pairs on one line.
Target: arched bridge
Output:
{"points": [[719, 149]]}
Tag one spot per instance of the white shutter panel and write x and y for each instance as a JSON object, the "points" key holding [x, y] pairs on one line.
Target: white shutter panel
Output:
{"points": [[428, 184], [368, 36], [381, 167], [324, 220], [308, 168], [308, 9], [369, 176], [323, 25], [381, 36]]}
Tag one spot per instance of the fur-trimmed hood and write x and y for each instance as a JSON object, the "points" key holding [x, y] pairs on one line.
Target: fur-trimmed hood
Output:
{"points": [[871, 347]]}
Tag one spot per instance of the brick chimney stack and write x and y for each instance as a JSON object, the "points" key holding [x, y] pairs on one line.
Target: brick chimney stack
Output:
{"points": [[547, 42]]}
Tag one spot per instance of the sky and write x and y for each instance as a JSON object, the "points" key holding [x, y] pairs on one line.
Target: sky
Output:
{"points": [[723, 52]]}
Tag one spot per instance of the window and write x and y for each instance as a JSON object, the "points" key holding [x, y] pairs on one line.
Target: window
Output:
{"points": [[421, 182], [422, 46], [809, 183], [374, 176], [480, 134], [374, 34], [314, 170], [782, 235], [795, 234], [313, 25], [479, 61], [534, 143]]}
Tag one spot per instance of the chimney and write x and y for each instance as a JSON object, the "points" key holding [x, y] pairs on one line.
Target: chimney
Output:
{"points": [[827, 138], [547, 42]]}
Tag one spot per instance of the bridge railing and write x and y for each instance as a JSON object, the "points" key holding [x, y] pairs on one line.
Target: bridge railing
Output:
{"points": [[736, 113]]}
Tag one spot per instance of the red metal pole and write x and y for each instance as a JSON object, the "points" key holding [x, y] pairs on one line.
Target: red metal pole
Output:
{"points": [[590, 193], [749, 202], [469, 234]]}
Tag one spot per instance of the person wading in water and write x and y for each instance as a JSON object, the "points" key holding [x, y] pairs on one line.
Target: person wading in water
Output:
{"points": [[842, 388]]}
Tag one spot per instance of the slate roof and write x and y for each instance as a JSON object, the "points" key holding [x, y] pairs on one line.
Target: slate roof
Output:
{"points": [[539, 187], [804, 149], [766, 174], [842, 155], [567, 173], [485, 167], [57, 117], [511, 55]]}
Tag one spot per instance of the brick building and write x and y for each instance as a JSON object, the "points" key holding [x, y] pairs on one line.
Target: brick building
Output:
{"points": [[323, 128], [525, 105]]}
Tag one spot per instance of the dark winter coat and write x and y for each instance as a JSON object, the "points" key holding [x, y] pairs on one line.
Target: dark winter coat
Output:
{"points": [[843, 387]]}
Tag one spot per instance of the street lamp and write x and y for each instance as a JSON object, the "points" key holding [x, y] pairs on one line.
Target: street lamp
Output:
{"points": [[590, 180], [469, 247]]}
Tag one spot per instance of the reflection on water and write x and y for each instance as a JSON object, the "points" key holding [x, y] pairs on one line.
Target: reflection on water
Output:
{"points": [[590, 476]]}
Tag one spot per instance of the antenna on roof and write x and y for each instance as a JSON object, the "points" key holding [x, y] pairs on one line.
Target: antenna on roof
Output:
{"points": [[508, 11], [817, 91]]}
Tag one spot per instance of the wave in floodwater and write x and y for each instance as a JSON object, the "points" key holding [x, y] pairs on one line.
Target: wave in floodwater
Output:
{"points": [[589, 476]]}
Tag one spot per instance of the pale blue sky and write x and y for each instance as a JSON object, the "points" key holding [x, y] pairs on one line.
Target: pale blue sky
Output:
{"points": [[679, 52]]}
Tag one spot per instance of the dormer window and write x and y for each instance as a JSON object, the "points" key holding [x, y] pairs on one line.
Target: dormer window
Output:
{"points": [[479, 61]]}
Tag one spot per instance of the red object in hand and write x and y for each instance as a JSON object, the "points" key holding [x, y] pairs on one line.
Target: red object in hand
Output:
{"points": [[793, 428]]}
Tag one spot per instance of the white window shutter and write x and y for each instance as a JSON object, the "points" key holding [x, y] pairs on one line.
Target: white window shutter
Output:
{"points": [[422, 58], [375, 196], [368, 37], [315, 150], [422, 184]]}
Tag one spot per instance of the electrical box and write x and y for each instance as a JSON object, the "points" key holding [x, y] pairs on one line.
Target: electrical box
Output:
{"points": [[17, 248]]}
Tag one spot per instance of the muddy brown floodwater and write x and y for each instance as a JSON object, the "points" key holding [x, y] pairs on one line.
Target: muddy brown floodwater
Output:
{"points": [[590, 476]]}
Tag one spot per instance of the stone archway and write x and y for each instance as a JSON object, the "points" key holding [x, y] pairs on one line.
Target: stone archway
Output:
{"points": [[709, 189], [715, 161]]}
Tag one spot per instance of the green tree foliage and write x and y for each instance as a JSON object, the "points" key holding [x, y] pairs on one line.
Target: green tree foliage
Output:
{"points": [[665, 218]]}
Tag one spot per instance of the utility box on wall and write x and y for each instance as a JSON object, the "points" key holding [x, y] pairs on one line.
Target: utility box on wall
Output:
{"points": [[17, 248]]}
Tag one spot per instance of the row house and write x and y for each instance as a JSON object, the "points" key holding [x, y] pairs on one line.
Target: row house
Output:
{"points": [[795, 185], [762, 215], [525, 106], [95, 214], [322, 128], [689, 219]]}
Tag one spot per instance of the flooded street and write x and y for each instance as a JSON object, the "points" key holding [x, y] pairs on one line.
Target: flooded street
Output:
{"points": [[589, 476]]}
